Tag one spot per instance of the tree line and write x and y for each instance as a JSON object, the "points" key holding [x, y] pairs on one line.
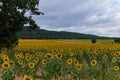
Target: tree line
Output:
{"points": [[45, 34]]}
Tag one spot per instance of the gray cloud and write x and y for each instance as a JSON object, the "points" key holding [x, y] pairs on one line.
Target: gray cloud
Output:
{"points": [[73, 15]]}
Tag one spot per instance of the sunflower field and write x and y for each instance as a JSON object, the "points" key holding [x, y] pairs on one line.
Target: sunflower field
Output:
{"points": [[61, 60]]}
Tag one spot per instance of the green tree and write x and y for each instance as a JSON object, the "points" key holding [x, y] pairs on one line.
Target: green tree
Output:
{"points": [[117, 40], [13, 18], [93, 41]]}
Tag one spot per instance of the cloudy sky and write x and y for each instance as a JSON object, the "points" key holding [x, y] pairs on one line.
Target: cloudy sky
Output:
{"points": [[99, 17]]}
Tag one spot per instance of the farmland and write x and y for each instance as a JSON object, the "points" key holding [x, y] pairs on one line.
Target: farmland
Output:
{"points": [[61, 60]]}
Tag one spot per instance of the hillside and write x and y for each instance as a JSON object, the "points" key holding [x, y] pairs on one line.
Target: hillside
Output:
{"points": [[45, 34]]}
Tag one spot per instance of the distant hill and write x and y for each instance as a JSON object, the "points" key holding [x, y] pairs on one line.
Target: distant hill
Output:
{"points": [[46, 34]]}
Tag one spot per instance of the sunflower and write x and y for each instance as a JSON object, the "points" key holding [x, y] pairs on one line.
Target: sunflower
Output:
{"points": [[81, 53], [27, 78], [43, 61], [94, 54], [3, 49], [116, 68], [117, 53], [71, 54], [69, 61], [2, 55], [12, 63], [6, 59], [28, 54], [5, 65], [31, 65], [36, 59], [114, 60], [27, 58], [17, 56], [79, 66], [20, 62], [40, 53], [112, 53], [37, 53], [5, 56], [48, 55], [93, 62], [105, 57], [76, 62], [54, 53], [22, 56], [58, 56]]}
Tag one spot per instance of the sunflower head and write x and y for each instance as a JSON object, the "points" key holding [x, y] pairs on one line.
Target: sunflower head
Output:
{"points": [[27, 58], [31, 65], [27, 78], [116, 68], [48, 55], [93, 62], [69, 61], [105, 57], [36, 59], [43, 61], [114, 60], [117, 53], [6, 59], [5, 56], [17, 56], [37, 53], [27, 54], [58, 56], [79, 66], [94, 54], [5, 65], [12, 63], [76, 62], [3, 49], [20, 62], [113, 53]]}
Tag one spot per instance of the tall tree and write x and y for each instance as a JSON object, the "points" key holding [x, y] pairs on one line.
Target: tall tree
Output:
{"points": [[13, 17]]}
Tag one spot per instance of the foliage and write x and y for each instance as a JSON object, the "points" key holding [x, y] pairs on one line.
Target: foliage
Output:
{"points": [[93, 40], [13, 18], [117, 40], [45, 34]]}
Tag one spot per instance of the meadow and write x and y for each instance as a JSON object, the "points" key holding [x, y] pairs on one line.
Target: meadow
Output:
{"points": [[61, 60]]}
